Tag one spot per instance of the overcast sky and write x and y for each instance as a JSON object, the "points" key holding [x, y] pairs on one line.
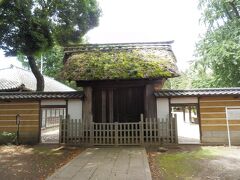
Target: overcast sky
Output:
{"points": [[145, 21]]}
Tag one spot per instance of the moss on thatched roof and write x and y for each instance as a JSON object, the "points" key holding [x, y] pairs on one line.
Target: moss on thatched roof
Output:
{"points": [[120, 64]]}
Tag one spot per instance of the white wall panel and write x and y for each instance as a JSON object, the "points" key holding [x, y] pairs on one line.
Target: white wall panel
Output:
{"points": [[75, 109], [184, 100], [162, 108], [53, 102]]}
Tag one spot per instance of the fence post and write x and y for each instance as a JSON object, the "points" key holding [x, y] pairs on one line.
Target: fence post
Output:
{"points": [[91, 131], [176, 129], [159, 131], [172, 129], [67, 129], [141, 130], [116, 133], [60, 129]]}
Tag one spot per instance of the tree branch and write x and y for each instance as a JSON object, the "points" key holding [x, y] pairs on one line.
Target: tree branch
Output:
{"points": [[234, 8], [226, 11]]}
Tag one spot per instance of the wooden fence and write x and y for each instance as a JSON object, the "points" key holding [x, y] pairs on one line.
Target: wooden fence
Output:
{"points": [[148, 131]]}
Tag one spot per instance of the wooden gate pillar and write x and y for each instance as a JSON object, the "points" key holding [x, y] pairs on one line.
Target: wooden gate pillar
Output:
{"points": [[87, 104], [150, 102]]}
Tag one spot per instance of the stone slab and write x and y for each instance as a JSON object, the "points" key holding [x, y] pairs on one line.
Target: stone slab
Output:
{"points": [[113, 163]]}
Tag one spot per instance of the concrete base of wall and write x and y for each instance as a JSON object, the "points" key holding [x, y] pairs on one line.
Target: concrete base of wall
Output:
{"points": [[24, 138], [220, 137], [28, 138]]}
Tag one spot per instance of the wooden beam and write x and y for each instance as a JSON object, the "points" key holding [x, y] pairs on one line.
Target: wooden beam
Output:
{"points": [[150, 102], [118, 82], [104, 108], [111, 105], [87, 104]]}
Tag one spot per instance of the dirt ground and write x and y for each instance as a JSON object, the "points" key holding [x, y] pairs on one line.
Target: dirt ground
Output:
{"points": [[196, 162], [33, 162]]}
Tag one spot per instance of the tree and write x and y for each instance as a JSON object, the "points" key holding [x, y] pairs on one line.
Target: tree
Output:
{"points": [[196, 76], [181, 82], [52, 64], [219, 49], [52, 61], [31, 27]]}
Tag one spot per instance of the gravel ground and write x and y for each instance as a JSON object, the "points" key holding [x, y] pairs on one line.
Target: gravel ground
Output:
{"points": [[50, 135], [196, 162]]}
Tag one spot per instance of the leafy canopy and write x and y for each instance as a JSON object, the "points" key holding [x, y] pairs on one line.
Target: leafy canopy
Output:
{"points": [[32, 26], [219, 49]]}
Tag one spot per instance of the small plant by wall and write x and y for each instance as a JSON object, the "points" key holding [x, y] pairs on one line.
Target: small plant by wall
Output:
{"points": [[7, 138]]}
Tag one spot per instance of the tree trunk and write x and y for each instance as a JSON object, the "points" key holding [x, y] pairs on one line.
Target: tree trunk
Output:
{"points": [[36, 72]]}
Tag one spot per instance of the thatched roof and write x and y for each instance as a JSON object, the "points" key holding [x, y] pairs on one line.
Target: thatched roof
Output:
{"points": [[119, 61]]}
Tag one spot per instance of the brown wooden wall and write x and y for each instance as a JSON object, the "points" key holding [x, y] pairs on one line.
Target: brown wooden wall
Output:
{"points": [[213, 119], [29, 122]]}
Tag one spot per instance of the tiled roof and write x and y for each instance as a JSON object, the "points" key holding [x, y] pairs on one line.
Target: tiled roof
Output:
{"points": [[40, 95], [15, 78], [198, 92]]}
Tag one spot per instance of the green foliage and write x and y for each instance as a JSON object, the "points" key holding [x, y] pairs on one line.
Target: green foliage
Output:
{"points": [[197, 76], [7, 138], [32, 26], [201, 77], [116, 65], [219, 49], [181, 82]]}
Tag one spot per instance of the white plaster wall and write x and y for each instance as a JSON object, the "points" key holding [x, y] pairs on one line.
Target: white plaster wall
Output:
{"points": [[75, 109], [162, 108], [182, 100], [53, 102]]}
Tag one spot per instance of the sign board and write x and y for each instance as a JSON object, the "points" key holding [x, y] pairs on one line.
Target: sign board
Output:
{"points": [[233, 113]]}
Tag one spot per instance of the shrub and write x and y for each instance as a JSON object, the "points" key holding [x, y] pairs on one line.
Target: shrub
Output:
{"points": [[7, 138]]}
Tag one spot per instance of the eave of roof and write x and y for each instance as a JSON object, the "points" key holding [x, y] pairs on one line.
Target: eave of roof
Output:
{"points": [[40, 95], [198, 92]]}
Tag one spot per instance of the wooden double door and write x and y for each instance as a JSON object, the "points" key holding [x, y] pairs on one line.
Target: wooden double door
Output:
{"points": [[121, 104]]}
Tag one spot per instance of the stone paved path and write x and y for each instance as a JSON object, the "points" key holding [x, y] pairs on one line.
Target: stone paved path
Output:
{"points": [[120, 163]]}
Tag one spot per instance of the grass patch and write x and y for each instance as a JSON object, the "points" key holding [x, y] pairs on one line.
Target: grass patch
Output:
{"points": [[184, 164]]}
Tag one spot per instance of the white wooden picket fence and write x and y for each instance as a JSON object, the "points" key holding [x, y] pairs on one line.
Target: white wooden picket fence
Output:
{"points": [[148, 131]]}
